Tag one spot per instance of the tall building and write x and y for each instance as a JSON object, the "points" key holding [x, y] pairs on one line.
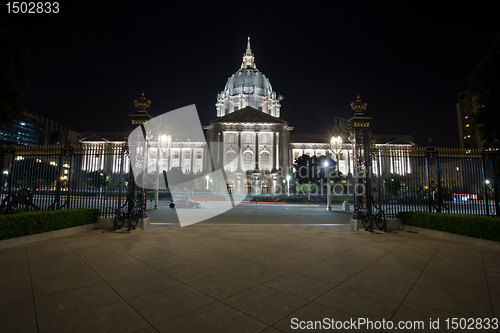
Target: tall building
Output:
{"points": [[467, 109], [35, 130]]}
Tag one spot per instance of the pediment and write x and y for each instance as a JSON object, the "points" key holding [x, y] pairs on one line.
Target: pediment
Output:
{"points": [[248, 115]]}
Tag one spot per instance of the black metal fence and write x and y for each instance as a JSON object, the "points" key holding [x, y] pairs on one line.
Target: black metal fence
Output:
{"points": [[65, 176], [97, 175], [446, 180]]}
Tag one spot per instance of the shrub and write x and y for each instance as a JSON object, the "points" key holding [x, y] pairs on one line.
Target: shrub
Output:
{"points": [[29, 223], [478, 226]]}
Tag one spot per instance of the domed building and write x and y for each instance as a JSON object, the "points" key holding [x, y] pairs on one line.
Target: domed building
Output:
{"points": [[248, 112], [248, 139]]}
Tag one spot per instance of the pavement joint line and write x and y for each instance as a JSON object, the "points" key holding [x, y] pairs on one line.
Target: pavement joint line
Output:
{"points": [[181, 281], [106, 282], [259, 284], [416, 280], [32, 290], [323, 260], [488, 285], [360, 272]]}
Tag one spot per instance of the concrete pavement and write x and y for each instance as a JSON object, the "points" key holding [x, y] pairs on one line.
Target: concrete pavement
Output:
{"points": [[245, 272]]}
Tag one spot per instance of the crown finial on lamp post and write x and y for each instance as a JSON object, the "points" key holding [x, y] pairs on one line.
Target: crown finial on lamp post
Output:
{"points": [[358, 107], [142, 104]]}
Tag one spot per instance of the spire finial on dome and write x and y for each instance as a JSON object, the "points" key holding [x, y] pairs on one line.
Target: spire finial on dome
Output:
{"points": [[248, 58]]}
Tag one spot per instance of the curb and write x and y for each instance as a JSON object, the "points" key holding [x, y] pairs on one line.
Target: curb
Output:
{"points": [[396, 224], [103, 223]]}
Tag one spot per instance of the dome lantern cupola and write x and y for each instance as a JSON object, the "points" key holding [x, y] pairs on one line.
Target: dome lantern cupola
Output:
{"points": [[248, 58]]}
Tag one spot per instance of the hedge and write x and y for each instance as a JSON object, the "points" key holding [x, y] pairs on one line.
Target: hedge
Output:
{"points": [[477, 226], [29, 223]]}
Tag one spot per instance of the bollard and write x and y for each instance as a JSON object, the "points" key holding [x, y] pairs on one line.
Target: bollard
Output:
{"points": [[345, 206]]}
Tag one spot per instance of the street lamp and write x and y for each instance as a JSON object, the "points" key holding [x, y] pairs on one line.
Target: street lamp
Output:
{"points": [[288, 184], [336, 148], [164, 145], [207, 180], [327, 169]]}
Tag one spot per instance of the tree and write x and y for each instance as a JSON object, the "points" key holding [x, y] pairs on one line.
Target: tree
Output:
{"points": [[485, 83], [14, 73], [312, 169], [98, 179]]}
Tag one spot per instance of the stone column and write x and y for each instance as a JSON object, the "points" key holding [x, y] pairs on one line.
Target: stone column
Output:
{"points": [[257, 150], [192, 160], [239, 155], [181, 160], [273, 151]]}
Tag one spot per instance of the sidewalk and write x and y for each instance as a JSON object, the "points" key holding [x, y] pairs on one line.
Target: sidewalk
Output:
{"points": [[242, 278]]}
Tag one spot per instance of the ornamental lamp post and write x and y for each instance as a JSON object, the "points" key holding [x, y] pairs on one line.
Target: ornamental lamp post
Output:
{"points": [[164, 145], [336, 148], [288, 184]]}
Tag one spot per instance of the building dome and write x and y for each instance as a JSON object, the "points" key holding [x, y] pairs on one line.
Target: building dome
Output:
{"points": [[248, 87]]}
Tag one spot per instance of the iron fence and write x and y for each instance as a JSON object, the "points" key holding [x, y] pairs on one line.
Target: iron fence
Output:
{"points": [[97, 175], [446, 180], [65, 176]]}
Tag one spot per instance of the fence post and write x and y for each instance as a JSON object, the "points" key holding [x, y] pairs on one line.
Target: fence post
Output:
{"points": [[67, 152], [485, 157], [495, 185], [10, 152], [430, 153], [361, 158], [438, 185]]}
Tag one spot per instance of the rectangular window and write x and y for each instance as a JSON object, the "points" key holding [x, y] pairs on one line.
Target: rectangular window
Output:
{"points": [[198, 154], [176, 154], [187, 154]]}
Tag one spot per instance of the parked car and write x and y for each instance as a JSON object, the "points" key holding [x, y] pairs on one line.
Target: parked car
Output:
{"points": [[181, 203]]}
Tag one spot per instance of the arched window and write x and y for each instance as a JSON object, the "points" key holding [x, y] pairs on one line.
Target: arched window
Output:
{"points": [[248, 160], [231, 162], [264, 161]]}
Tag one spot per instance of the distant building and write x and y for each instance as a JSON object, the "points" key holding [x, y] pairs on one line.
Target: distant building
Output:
{"points": [[467, 109], [35, 130]]}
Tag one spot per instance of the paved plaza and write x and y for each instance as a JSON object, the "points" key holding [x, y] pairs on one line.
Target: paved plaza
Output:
{"points": [[250, 270]]}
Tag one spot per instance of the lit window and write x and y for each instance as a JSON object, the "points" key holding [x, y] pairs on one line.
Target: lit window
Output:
{"points": [[248, 160], [264, 161]]}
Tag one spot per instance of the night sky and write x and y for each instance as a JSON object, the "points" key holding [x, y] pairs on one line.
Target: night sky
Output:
{"points": [[407, 60]]}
